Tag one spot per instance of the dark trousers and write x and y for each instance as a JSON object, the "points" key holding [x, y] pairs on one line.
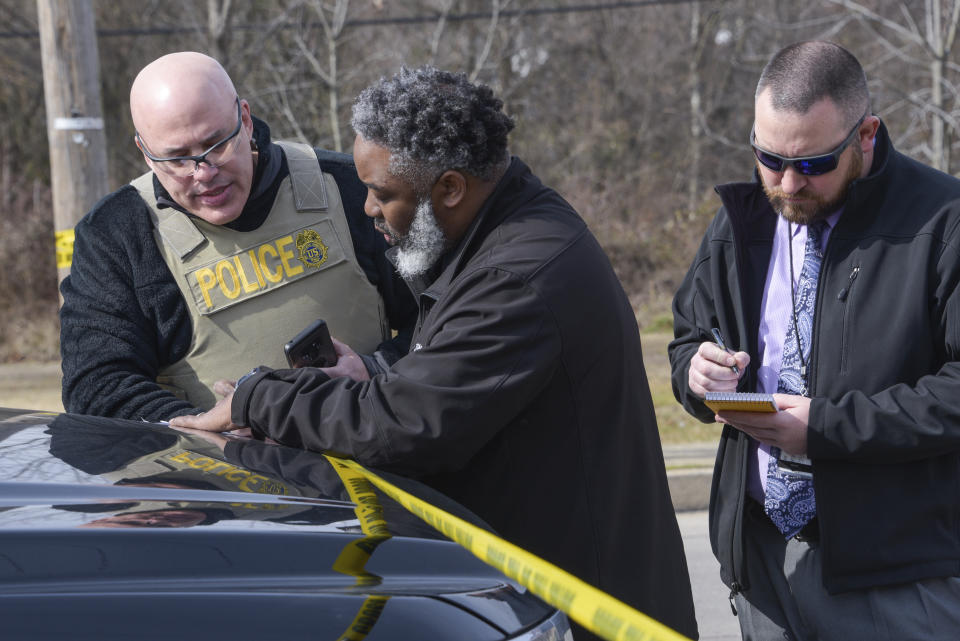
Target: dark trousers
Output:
{"points": [[787, 600]]}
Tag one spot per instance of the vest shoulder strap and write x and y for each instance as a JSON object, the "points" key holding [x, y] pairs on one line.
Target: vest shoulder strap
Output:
{"points": [[306, 179], [175, 227]]}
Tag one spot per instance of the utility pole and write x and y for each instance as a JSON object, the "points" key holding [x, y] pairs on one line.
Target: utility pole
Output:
{"points": [[71, 89]]}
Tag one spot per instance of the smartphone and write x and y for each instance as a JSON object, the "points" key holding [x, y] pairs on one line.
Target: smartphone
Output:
{"points": [[312, 347]]}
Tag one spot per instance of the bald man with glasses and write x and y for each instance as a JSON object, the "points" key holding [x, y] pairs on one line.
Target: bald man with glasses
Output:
{"points": [[229, 246], [834, 279]]}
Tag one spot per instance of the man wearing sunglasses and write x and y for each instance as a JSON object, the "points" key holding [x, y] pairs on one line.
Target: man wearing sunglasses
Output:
{"points": [[836, 272], [227, 248]]}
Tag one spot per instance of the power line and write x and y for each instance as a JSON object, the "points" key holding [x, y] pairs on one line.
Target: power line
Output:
{"points": [[398, 20], [534, 11]]}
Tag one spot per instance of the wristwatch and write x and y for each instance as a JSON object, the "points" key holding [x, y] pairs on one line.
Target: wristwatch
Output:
{"points": [[254, 371]]}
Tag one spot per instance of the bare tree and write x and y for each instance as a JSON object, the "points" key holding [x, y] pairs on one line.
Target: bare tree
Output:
{"points": [[332, 16], [632, 112], [922, 38], [218, 33]]}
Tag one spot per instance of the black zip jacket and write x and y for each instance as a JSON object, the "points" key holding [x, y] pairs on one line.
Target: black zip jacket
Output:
{"points": [[884, 426], [124, 319], [524, 398]]}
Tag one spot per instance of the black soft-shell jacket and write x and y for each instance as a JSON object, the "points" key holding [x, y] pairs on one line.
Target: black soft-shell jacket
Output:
{"points": [[884, 426], [124, 319], [524, 398]]}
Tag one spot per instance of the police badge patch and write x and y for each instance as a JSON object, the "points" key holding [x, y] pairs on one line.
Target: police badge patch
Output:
{"points": [[313, 252]]}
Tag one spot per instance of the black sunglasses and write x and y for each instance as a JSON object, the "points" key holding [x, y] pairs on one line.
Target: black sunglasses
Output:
{"points": [[806, 165]]}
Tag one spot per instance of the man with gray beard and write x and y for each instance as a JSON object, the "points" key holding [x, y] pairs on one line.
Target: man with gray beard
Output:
{"points": [[524, 395]]}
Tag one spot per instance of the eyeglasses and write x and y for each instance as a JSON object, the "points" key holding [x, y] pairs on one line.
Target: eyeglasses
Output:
{"points": [[184, 166], [806, 165]]}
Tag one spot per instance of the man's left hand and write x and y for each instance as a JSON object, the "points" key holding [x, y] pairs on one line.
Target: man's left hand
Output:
{"points": [[786, 429]]}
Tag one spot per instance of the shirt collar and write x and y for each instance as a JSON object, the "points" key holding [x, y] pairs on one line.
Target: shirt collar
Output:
{"points": [[831, 221]]}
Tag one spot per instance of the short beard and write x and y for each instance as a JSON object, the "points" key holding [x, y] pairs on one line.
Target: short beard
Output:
{"points": [[820, 209], [423, 244]]}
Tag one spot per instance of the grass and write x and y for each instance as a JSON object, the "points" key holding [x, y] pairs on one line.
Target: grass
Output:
{"points": [[29, 332], [676, 426]]}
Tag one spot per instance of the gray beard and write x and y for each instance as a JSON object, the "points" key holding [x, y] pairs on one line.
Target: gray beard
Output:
{"points": [[423, 244]]}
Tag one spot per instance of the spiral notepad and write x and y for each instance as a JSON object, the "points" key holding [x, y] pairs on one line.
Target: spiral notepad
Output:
{"points": [[740, 402]]}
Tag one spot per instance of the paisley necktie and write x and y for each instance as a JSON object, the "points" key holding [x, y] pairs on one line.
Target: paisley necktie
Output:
{"points": [[789, 500]]}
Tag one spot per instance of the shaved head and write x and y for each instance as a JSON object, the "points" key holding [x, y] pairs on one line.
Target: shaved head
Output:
{"points": [[181, 104], [176, 82]]}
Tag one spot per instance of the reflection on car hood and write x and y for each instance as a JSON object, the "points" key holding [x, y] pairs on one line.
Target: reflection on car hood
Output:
{"points": [[113, 523]]}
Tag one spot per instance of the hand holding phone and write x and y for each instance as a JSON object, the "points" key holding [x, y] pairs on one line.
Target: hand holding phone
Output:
{"points": [[312, 347]]}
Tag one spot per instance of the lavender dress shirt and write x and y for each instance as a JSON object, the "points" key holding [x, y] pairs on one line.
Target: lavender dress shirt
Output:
{"points": [[775, 312]]}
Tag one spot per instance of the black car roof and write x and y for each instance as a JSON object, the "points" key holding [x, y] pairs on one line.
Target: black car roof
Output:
{"points": [[94, 467], [117, 525]]}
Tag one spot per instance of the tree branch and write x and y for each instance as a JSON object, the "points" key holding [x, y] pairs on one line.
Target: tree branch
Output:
{"points": [[910, 35], [491, 32]]}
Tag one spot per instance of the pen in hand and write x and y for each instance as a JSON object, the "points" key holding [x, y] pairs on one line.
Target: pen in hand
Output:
{"points": [[718, 339]]}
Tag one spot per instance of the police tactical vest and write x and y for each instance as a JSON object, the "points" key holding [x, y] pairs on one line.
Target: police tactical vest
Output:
{"points": [[248, 293]]}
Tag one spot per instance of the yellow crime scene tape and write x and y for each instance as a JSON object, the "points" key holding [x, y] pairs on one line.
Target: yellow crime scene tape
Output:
{"points": [[63, 240], [595, 610], [353, 559]]}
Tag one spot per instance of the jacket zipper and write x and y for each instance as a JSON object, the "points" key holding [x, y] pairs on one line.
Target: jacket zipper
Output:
{"points": [[846, 321], [842, 296], [734, 591], [736, 560]]}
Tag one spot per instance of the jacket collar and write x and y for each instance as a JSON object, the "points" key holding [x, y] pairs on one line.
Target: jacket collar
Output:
{"points": [[867, 194]]}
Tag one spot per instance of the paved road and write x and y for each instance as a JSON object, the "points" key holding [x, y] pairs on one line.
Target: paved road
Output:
{"points": [[714, 617]]}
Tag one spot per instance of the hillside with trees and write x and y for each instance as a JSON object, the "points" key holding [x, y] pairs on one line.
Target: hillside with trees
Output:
{"points": [[632, 110]]}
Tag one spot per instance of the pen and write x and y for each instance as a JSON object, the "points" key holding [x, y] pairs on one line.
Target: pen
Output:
{"points": [[719, 341]]}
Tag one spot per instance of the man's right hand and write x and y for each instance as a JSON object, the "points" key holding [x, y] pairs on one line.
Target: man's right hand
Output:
{"points": [[710, 369], [349, 363]]}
